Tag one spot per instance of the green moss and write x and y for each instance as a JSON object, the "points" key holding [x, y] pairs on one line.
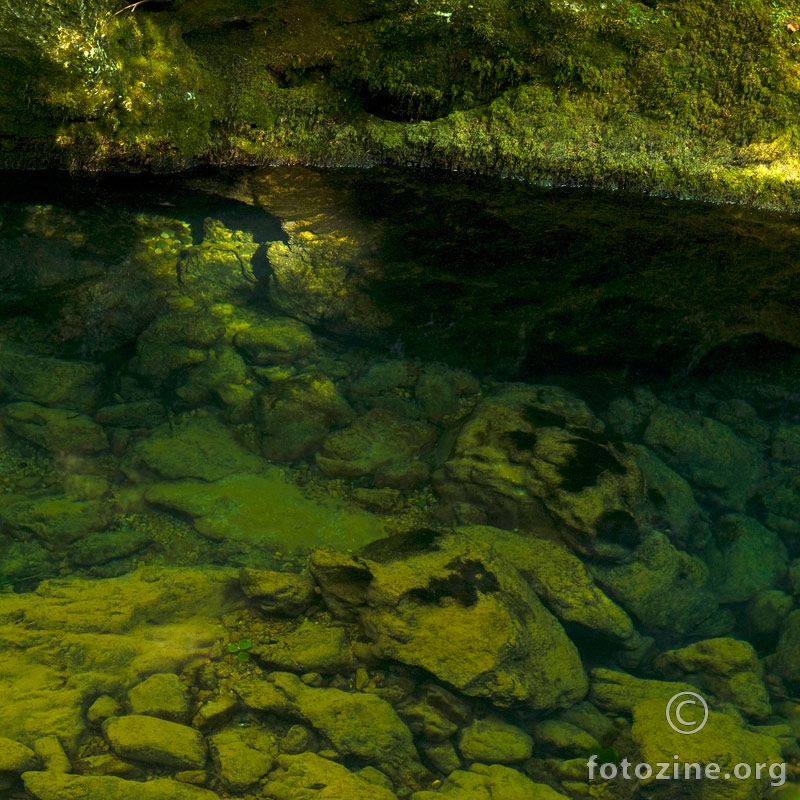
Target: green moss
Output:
{"points": [[694, 98]]}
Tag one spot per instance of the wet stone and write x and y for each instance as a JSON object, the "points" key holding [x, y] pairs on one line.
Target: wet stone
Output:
{"points": [[310, 648], [492, 740], [161, 695], [16, 757], [58, 430], [100, 548], [58, 786], [281, 593], [156, 741], [242, 756], [197, 446]]}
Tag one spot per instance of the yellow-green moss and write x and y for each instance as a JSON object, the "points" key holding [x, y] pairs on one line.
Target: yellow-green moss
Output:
{"points": [[686, 97]]}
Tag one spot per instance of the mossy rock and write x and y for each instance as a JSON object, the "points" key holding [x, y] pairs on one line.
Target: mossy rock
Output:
{"points": [[58, 430], [196, 446], [266, 510]]}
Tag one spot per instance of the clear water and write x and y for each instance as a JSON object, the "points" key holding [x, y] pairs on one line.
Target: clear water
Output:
{"points": [[229, 370]]}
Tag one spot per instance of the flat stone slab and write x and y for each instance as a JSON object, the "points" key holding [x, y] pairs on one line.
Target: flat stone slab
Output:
{"points": [[267, 510]]}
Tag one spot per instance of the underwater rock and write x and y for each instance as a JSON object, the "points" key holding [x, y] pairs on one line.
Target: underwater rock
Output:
{"points": [[780, 494], [728, 668], [563, 737], [307, 776], [100, 548], [786, 443], [492, 739], [75, 385], [785, 661], [266, 510], [136, 414], [16, 757], [296, 415], [745, 559], [724, 740], [58, 430], [675, 510], [242, 757], [560, 579], [162, 695], [57, 520], [662, 587], [357, 724], [767, 611], [532, 455], [89, 637], [175, 340], [382, 445], [493, 782], [322, 274], [279, 340], [51, 754], [222, 369], [309, 648], [156, 741], [422, 605], [219, 269], [58, 786], [197, 445], [707, 453], [439, 390], [282, 593]]}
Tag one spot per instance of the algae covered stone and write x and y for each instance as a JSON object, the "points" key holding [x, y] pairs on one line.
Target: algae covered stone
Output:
{"points": [[59, 430], [421, 599], [356, 724], [746, 558], [197, 446], [560, 579], [156, 741], [494, 782], [242, 757], [493, 740], [306, 776], [60, 786], [282, 593], [161, 695], [278, 340], [662, 587], [266, 510], [536, 456], [706, 452]]}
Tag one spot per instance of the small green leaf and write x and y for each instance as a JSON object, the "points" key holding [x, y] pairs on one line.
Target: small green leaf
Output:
{"points": [[243, 657], [232, 648], [245, 644]]}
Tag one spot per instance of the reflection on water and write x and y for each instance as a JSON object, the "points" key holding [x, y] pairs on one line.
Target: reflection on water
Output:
{"points": [[501, 468]]}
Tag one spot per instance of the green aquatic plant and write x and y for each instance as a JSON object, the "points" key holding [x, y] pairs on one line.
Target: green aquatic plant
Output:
{"points": [[239, 649], [605, 755]]}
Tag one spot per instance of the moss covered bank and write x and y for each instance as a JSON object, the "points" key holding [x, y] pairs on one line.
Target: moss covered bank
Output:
{"points": [[689, 97]]}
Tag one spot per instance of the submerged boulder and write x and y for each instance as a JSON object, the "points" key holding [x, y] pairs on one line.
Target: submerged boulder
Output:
{"points": [[663, 587], [706, 452], [357, 724], [196, 446], [381, 445], [266, 510], [422, 601], [536, 457]]}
